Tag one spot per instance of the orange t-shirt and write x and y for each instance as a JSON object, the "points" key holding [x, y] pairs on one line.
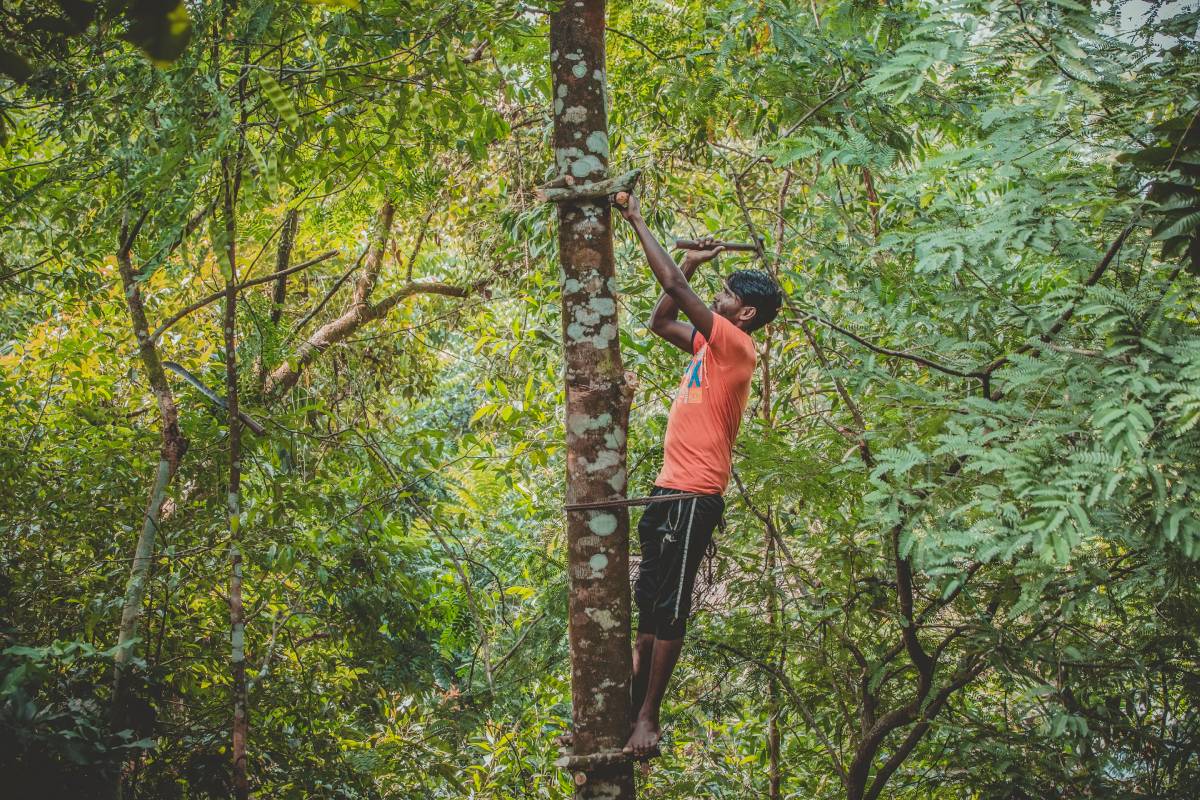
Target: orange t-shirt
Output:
{"points": [[707, 411]]}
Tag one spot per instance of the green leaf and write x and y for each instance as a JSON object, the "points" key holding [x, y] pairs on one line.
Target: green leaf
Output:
{"points": [[1178, 227], [279, 99]]}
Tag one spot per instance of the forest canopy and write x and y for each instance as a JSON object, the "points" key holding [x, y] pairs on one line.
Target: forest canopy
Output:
{"points": [[282, 429]]}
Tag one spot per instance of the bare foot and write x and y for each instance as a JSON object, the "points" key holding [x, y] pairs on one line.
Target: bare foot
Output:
{"points": [[643, 742]]}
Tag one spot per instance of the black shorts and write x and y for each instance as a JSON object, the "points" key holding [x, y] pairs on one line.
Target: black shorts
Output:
{"points": [[675, 535]]}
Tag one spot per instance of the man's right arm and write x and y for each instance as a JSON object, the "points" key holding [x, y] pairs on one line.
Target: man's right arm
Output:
{"points": [[677, 292], [664, 320]]}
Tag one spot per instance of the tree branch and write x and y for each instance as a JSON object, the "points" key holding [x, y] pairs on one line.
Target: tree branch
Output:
{"points": [[215, 296], [173, 443], [385, 305], [642, 44], [838, 91], [416, 251], [366, 282], [885, 351], [904, 601], [764, 518], [359, 312], [1066, 316], [328, 296]]}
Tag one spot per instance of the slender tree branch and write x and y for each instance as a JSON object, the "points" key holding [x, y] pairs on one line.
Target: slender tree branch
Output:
{"points": [[129, 233], [838, 91], [412, 256], [360, 311], [766, 520], [366, 282], [328, 296], [282, 257], [643, 45], [798, 702], [885, 351], [529, 626], [385, 305], [1066, 315], [215, 296], [904, 601]]}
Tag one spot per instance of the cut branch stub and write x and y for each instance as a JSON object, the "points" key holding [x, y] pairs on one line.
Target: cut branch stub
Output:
{"points": [[566, 189], [604, 758]]}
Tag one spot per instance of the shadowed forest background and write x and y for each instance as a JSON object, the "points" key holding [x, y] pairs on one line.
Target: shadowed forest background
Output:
{"points": [[960, 558]]}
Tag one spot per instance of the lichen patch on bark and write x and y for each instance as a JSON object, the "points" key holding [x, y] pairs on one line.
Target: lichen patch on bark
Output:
{"points": [[602, 523], [597, 142], [574, 114]]}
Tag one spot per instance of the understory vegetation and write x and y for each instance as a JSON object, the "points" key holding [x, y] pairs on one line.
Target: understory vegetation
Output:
{"points": [[960, 557]]}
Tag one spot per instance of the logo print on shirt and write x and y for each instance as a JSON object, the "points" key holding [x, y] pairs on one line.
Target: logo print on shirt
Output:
{"points": [[695, 379]]}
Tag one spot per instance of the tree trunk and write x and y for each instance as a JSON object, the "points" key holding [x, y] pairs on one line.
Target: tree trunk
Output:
{"points": [[773, 706], [774, 736], [287, 238], [171, 451], [597, 412], [237, 612]]}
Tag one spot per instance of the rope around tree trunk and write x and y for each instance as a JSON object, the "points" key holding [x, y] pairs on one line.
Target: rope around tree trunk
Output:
{"points": [[625, 502]]}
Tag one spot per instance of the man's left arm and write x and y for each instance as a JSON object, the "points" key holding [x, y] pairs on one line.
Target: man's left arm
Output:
{"points": [[667, 273]]}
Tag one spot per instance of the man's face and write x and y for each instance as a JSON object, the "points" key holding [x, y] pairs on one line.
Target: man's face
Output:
{"points": [[727, 304]]}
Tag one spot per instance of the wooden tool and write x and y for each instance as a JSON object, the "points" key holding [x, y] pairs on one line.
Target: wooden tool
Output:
{"points": [[621, 199], [691, 244]]}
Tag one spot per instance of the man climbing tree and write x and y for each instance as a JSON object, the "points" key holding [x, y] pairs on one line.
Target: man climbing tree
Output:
{"points": [[697, 453]]}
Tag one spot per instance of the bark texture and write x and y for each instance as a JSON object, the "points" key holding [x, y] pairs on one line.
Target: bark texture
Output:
{"points": [[774, 737], [776, 659], [173, 443], [597, 412]]}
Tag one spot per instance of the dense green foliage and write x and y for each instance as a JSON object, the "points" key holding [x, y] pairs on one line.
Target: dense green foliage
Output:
{"points": [[987, 384]]}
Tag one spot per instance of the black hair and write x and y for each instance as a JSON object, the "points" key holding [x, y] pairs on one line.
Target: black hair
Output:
{"points": [[759, 290]]}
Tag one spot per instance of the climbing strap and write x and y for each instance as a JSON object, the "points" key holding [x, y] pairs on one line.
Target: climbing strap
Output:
{"points": [[710, 552], [625, 502]]}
